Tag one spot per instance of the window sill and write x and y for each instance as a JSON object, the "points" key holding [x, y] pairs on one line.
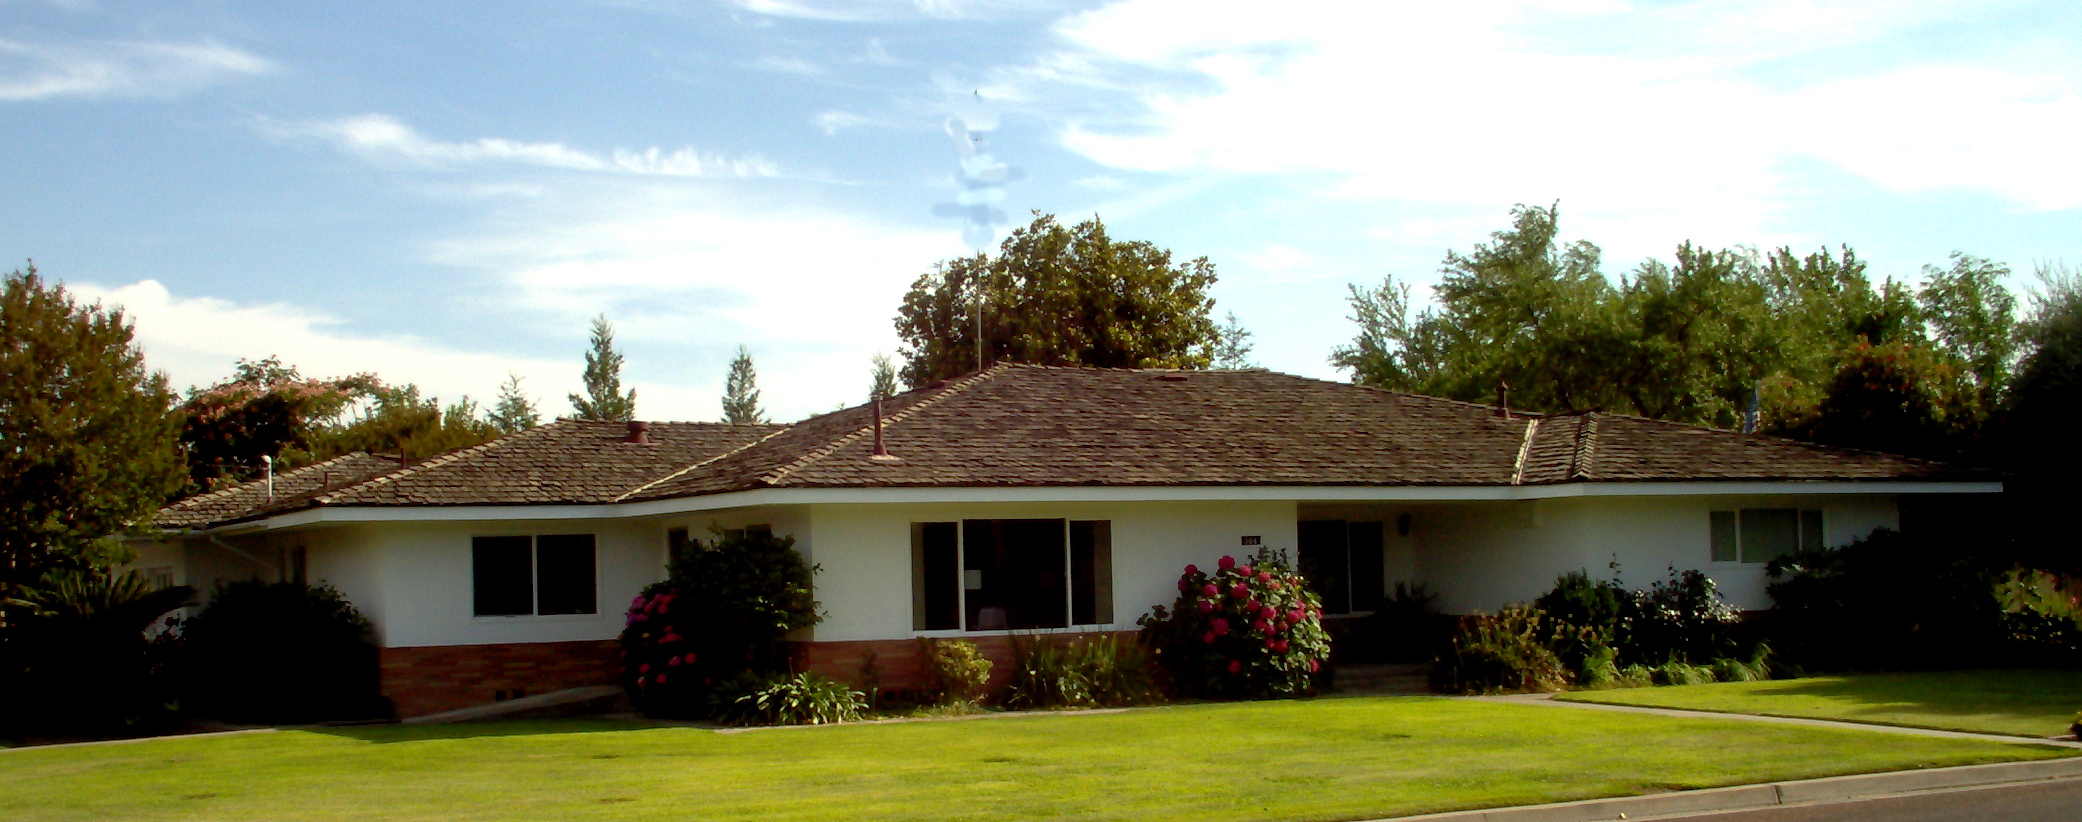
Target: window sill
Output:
{"points": [[956, 633], [535, 618]]}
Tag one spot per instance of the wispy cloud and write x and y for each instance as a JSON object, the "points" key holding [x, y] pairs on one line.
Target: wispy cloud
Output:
{"points": [[44, 70], [382, 137]]}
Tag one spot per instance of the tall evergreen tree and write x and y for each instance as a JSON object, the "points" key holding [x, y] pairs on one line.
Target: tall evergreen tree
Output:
{"points": [[87, 439], [604, 399], [883, 380], [741, 392], [515, 412], [1232, 348]]}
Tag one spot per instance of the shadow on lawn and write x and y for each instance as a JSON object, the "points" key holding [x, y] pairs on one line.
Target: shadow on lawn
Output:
{"points": [[383, 734], [2023, 694]]}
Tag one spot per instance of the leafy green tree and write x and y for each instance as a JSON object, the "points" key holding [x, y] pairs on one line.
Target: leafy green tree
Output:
{"points": [[882, 383], [514, 412], [265, 410], [1059, 296], [398, 421], [88, 445], [1233, 347], [1974, 320], [2040, 440], [604, 399], [741, 391]]}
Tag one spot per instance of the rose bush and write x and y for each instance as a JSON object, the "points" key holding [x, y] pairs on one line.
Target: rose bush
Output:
{"points": [[1250, 630], [725, 611]]}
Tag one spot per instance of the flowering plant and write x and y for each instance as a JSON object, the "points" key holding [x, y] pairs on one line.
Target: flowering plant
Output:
{"points": [[726, 610], [1251, 629]]}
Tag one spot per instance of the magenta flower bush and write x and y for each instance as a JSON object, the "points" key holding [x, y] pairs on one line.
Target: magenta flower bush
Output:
{"points": [[725, 612], [1250, 630]]}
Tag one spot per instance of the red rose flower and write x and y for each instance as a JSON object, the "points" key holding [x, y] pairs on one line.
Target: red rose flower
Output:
{"points": [[1239, 591], [1206, 606], [1314, 666], [644, 668], [674, 662], [1267, 612], [1262, 627], [690, 657], [1219, 626], [1245, 570], [1235, 665], [1264, 576], [1276, 585], [1226, 563], [1181, 583], [661, 679], [1207, 637], [1210, 590], [1192, 569]]}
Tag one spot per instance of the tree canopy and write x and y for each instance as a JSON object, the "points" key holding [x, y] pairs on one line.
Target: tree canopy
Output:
{"points": [[88, 443], [514, 411], [604, 399], [1808, 341], [265, 410], [1059, 296], [741, 391]]}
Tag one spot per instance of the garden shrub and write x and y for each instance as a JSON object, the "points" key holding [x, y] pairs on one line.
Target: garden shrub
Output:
{"points": [[1510, 651], [955, 672], [75, 658], [1082, 672], [1250, 630], [725, 610], [1592, 618], [1683, 618], [281, 652], [1888, 601], [785, 699], [1405, 627], [2042, 616]]}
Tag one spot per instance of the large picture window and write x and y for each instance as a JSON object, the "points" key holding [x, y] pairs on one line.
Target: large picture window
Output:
{"points": [[541, 575], [1011, 574], [1763, 534], [1342, 563]]}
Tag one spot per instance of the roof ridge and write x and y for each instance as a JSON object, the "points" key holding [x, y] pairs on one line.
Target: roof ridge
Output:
{"points": [[779, 430], [237, 486], [438, 460], [952, 388], [1586, 447], [1525, 449], [1795, 441]]}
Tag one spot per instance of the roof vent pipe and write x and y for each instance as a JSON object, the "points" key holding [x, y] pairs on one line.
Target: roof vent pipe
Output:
{"points": [[639, 432], [1503, 399], [881, 450], [270, 477]]}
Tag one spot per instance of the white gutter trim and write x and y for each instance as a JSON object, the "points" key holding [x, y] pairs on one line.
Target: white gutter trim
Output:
{"points": [[1169, 493]]}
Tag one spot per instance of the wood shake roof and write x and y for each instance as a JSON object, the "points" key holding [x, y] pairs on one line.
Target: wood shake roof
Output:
{"points": [[1028, 426]]}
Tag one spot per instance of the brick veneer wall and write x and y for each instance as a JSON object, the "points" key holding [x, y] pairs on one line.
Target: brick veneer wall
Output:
{"points": [[421, 681], [900, 663]]}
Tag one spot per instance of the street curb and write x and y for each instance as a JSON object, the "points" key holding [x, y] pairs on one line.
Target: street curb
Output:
{"points": [[1743, 797]]}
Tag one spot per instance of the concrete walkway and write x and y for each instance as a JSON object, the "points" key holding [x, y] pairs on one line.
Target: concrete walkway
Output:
{"points": [[1548, 699]]}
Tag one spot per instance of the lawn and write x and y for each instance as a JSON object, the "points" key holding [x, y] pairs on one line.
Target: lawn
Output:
{"points": [[2018, 702], [1327, 759]]}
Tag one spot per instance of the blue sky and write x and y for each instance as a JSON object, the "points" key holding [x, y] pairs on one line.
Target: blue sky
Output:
{"points": [[443, 193]]}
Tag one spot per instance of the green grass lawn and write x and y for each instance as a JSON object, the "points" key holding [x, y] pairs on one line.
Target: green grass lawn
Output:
{"points": [[1326, 759], [2019, 702]]}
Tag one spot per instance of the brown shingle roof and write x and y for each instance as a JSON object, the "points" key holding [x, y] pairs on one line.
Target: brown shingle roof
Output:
{"points": [[1024, 425], [293, 489]]}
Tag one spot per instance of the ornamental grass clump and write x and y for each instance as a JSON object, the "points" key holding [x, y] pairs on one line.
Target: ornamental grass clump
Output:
{"points": [[791, 699], [1250, 630]]}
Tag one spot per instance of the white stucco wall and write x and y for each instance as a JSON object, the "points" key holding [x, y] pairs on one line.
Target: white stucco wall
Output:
{"points": [[865, 551], [1482, 556]]}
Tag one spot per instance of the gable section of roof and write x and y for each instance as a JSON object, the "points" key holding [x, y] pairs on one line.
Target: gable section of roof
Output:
{"points": [[1599, 447], [294, 488], [568, 461]]}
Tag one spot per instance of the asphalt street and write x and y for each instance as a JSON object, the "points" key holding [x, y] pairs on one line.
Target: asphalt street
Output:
{"points": [[2058, 800]]}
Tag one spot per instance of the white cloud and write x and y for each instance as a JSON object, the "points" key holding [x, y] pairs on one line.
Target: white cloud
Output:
{"points": [[835, 121], [196, 341], [884, 10], [38, 71], [382, 137], [686, 276], [786, 65], [1649, 124]]}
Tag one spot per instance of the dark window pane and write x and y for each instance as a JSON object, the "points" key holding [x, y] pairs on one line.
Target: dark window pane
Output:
{"points": [[502, 576], [935, 577], [564, 574], [675, 545], [1091, 573], [1811, 530], [1017, 573], [1723, 526], [1769, 533], [1324, 563], [1367, 574]]}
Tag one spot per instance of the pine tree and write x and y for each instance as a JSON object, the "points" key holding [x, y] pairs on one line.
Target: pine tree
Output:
{"points": [[1232, 347], [883, 383], [88, 445], [515, 412], [604, 399], [741, 392]]}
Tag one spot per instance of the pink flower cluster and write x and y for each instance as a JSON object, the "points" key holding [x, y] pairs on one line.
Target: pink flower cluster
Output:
{"points": [[1258, 620]]}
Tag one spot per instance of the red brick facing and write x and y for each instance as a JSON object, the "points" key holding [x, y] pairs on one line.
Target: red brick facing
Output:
{"points": [[428, 680], [900, 663]]}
